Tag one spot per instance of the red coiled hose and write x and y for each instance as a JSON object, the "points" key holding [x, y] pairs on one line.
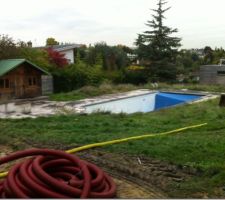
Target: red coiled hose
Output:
{"points": [[54, 174]]}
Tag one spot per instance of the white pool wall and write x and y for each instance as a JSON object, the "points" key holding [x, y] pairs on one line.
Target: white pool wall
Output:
{"points": [[142, 103]]}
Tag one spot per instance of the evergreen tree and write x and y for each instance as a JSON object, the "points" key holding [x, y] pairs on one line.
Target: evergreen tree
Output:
{"points": [[157, 48], [208, 55]]}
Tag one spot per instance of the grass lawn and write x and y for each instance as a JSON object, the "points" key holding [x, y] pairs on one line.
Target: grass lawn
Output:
{"points": [[91, 91], [203, 148]]}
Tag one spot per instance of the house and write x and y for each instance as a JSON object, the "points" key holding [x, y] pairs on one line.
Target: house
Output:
{"points": [[133, 58], [212, 74], [199, 52], [68, 50], [20, 78]]}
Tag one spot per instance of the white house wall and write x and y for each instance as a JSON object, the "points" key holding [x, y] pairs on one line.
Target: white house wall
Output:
{"points": [[69, 55]]}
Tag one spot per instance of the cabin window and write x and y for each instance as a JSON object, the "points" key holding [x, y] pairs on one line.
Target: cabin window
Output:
{"points": [[4, 83], [1, 83], [32, 81]]}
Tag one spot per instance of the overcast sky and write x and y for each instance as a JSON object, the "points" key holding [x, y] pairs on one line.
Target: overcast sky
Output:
{"points": [[200, 22]]}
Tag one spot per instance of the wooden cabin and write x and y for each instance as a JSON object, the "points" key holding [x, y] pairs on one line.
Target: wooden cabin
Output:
{"points": [[20, 78]]}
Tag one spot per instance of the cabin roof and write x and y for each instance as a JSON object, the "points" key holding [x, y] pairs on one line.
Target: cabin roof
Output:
{"points": [[10, 64]]}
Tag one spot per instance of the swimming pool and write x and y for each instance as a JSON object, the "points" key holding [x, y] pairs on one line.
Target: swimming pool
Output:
{"points": [[142, 103]]}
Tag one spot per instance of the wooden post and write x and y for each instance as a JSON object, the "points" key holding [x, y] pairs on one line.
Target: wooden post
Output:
{"points": [[222, 100]]}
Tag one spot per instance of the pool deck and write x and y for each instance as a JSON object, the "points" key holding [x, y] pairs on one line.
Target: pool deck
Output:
{"points": [[38, 108]]}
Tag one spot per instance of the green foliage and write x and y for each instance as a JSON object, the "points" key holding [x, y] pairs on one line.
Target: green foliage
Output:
{"points": [[189, 61], [37, 56], [194, 87], [51, 41], [126, 49], [76, 76], [82, 52], [156, 47], [111, 58], [163, 71], [92, 91], [82, 75], [108, 88], [8, 47], [218, 53], [208, 55], [137, 77], [61, 80]]}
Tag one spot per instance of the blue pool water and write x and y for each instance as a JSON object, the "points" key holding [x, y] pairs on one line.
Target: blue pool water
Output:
{"points": [[142, 103]]}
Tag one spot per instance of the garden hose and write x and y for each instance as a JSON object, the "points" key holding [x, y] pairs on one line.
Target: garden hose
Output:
{"points": [[101, 144], [58, 174], [54, 174]]}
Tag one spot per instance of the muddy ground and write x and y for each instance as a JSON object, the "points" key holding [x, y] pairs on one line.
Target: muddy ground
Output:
{"points": [[135, 176]]}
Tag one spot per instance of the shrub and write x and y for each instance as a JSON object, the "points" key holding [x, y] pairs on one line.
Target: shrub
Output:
{"points": [[61, 80], [114, 77], [131, 75], [137, 76], [95, 76], [76, 76]]}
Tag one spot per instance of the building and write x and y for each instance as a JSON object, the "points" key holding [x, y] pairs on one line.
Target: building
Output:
{"points": [[199, 52], [212, 74], [20, 78], [67, 50]]}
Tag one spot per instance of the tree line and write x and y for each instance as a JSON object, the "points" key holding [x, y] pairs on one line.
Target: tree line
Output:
{"points": [[157, 57]]}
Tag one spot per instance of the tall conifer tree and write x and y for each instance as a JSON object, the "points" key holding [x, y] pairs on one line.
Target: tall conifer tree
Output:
{"points": [[157, 47]]}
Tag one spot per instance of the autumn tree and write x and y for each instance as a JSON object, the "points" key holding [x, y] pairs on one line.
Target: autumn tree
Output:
{"points": [[57, 58]]}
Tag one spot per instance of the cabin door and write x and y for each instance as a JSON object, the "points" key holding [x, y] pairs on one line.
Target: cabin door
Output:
{"points": [[19, 87]]}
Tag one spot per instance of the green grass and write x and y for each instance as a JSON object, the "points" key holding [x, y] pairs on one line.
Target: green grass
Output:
{"points": [[195, 87], [203, 148], [91, 91]]}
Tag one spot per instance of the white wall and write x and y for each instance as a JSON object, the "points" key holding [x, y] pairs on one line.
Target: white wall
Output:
{"points": [[69, 55], [143, 103]]}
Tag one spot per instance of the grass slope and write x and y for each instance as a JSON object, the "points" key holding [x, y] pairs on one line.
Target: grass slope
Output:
{"points": [[203, 148], [91, 91]]}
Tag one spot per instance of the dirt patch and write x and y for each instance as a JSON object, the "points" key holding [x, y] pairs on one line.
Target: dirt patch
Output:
{"points": [[152, 175], [128, 190]]}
